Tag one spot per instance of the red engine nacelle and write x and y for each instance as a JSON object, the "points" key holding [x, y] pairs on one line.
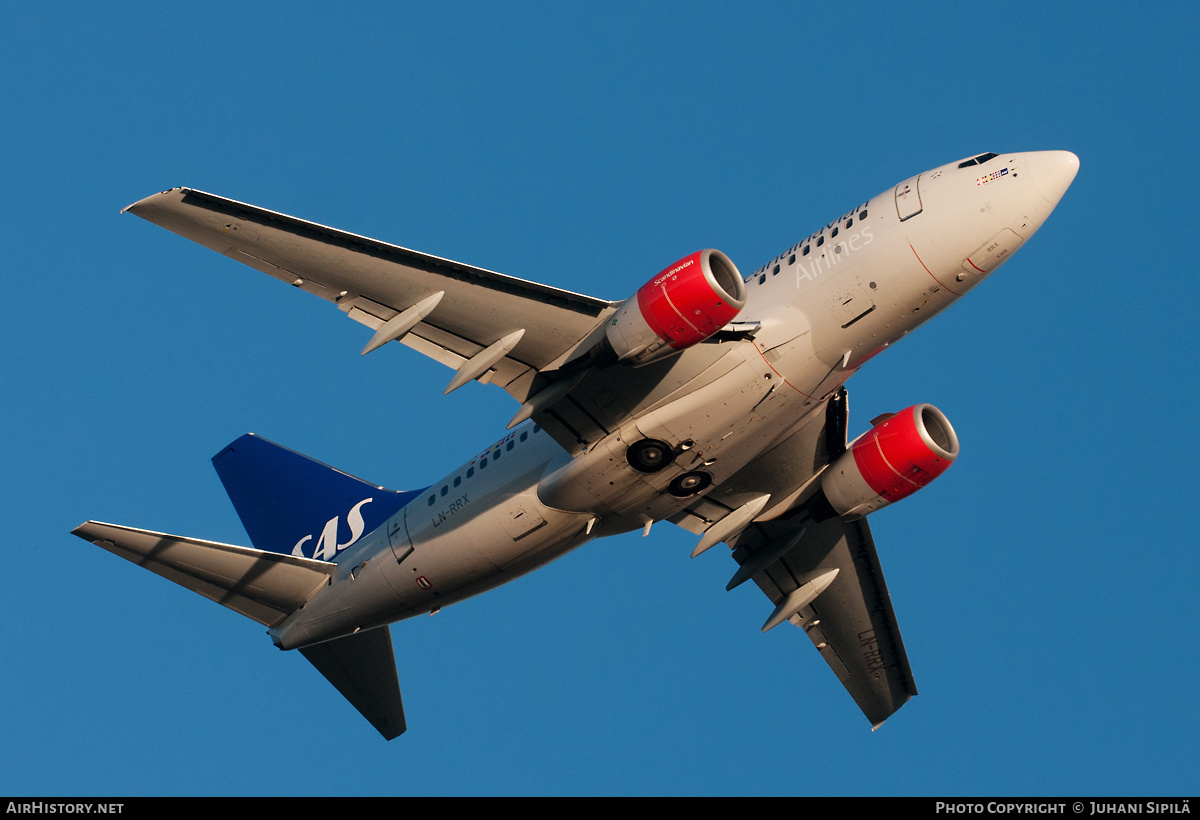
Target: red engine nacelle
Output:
{"points": [[894, 459], [685, 304]]}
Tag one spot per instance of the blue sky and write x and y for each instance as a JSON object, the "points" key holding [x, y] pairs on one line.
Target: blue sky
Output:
{"points": [[1045, 586]]}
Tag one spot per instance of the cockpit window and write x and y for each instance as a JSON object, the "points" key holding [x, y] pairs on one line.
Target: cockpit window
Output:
{"points": [[979, 160]]}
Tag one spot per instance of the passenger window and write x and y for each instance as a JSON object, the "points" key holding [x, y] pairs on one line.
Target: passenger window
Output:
{"points": [[509, 446], [792, 259], [833, 233], [445, 489], [849, 222], [820, 241], [482, 463], [776, 271], [470, 472], [432, 499], [524, 435], [862, 216], [457, 480], [807, 248]]}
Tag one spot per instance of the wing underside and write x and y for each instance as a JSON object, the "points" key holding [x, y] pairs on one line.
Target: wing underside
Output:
{"points": [[374, 282], [851, 623]]}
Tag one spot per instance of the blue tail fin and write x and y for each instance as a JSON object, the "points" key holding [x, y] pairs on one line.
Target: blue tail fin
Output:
{"points": [[291, 504]]}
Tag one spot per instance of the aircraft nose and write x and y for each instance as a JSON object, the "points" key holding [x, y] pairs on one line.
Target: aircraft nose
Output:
{"points": [[1052, 172]]}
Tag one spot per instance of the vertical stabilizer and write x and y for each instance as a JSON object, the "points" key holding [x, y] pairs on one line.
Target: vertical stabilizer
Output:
{"points": [[292, 504]]}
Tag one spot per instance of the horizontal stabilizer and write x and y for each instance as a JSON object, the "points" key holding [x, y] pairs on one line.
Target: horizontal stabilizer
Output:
{"points": [[363, 668], [263, 586]]}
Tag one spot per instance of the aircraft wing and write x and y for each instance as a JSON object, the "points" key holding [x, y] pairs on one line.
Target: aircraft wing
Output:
{"points": [[502, 328], [525, 337], [851, 620]]}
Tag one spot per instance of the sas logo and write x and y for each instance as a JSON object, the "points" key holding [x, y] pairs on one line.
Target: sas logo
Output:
{"points": [[994, 175], [327, 546]]}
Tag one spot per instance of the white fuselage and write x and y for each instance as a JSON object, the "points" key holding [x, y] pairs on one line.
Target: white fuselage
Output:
{"points": [[823, 307]]}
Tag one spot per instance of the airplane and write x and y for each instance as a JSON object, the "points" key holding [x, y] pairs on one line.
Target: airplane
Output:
{"points": [[709, 399]]}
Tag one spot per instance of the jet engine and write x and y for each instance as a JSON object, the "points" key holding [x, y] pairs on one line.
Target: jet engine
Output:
{"points": [[894, 459], [685, 304]]}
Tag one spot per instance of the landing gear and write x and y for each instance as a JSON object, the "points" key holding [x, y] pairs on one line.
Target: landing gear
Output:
{"points": [[649, 455], [689, 484]]}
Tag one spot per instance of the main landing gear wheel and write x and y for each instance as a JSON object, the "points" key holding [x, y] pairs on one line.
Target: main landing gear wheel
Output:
{"points": [[689, 484], [649, 455]]}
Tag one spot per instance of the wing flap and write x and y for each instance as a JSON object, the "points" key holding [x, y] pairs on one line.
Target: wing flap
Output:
{"points": [[264, 586]]}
